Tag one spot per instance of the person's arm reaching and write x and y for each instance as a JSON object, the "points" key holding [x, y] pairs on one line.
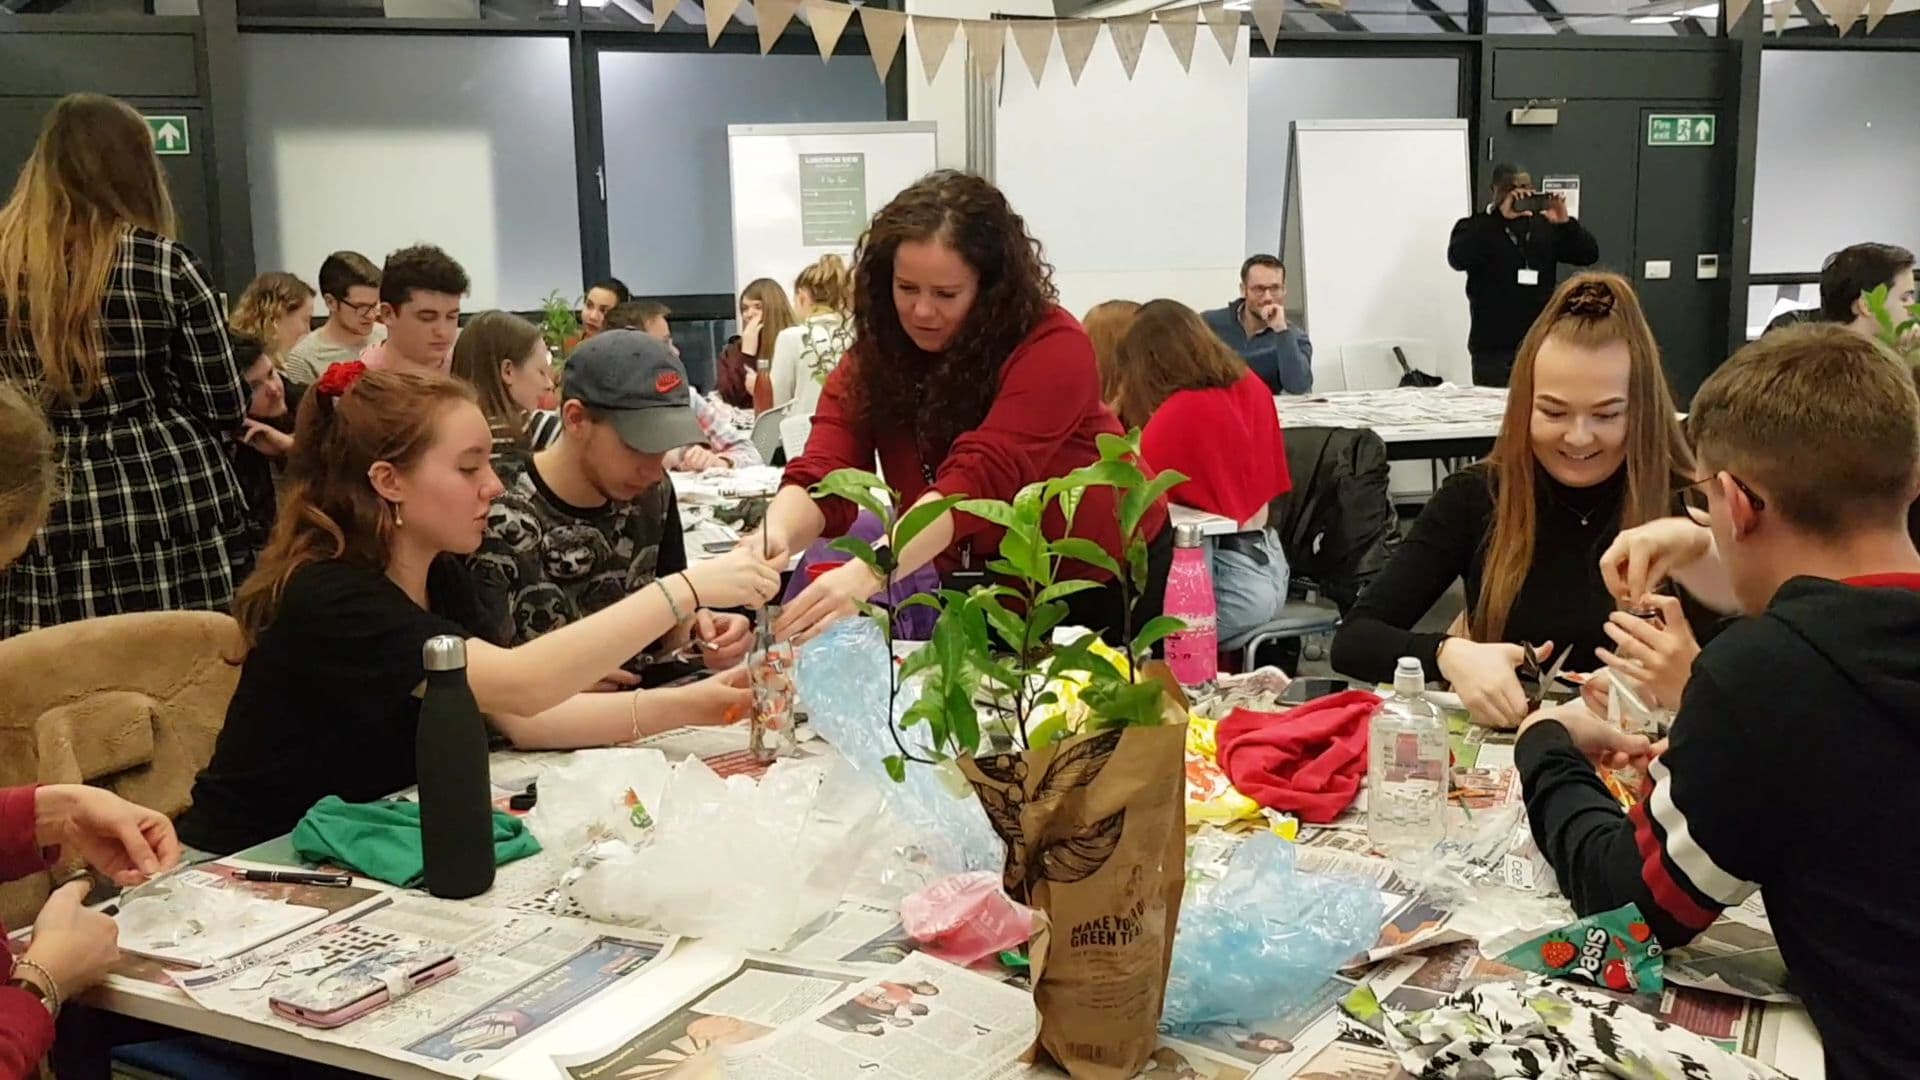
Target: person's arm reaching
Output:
{"points": [[1471, 244], [1681, 868], [732, 445], [839, 592], [1379, 629], [1678, 548], [610, 719], [1574, 245]]}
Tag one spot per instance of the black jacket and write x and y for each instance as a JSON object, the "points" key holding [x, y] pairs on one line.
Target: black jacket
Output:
{"points": [[1337, 524], [1492, 251], [1792, 768]]}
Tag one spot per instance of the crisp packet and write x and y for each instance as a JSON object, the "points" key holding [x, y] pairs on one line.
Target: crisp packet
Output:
{"points": [[1211, 797], [1613, 950]]}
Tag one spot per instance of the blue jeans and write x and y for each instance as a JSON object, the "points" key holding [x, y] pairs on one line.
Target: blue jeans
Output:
{"points": [[1250, 577]]}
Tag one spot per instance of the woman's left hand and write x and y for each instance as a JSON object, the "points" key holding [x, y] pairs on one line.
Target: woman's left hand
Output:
{"points": [[267, 440], [833, 596], [126, 842], [1659, 657]]}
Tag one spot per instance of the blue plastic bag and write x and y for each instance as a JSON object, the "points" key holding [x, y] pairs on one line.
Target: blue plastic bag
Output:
{"points": [[1264, 937]]}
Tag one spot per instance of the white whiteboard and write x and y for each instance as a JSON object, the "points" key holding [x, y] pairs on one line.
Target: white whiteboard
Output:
{"points": [[1373, 204], [770, 224]]}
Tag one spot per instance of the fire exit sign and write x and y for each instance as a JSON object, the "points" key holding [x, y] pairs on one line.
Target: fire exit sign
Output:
{"points": [[170, 135], [1681, 129]]}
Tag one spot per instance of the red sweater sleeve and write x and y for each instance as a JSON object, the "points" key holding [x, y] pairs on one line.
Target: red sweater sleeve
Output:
{"points": [[26, 1031], [1047, 388], [839, 439], [1227, 442]]}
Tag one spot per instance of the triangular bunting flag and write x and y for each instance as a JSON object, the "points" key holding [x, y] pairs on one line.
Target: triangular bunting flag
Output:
{"points": [[1179, 26], [1844, 13], [1876, 10], [1129, 35], [718, 12], [986, 38], [1035, 39], [935, 39], [829, 21], [661, 10], [1780, 9], [1269, 16], [1736, 9], [884, 29], [773, 16], [1077, 38], [1225, 26]]}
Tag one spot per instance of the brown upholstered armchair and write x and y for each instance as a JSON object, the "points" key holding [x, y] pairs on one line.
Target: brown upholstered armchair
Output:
{"points": [[128, 702]]}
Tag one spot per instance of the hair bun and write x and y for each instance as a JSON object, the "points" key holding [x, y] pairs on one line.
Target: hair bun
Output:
{"points": [[1590, 299]]}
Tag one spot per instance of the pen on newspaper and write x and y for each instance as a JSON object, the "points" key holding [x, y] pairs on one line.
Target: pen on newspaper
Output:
{"points": [[294, 877]]}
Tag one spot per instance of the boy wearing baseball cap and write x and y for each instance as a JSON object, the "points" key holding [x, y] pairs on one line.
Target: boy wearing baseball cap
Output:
{"points": [[591, 519]]}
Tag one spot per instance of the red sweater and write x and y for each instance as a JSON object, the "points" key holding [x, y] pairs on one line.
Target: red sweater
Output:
{"points": [[1043, 424], [1227, 441], [26, 1031]]}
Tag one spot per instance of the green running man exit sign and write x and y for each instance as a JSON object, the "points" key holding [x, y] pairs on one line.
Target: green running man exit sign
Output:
{"points": [[1681, 129]]}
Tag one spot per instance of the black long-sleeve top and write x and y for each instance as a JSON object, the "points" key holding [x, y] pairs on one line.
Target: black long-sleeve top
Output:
{"points": [[1493, 251]]}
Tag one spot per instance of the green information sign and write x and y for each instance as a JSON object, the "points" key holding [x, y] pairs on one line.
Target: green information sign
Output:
{"points": [[170, 135], [833, 199], [1681, 129]]}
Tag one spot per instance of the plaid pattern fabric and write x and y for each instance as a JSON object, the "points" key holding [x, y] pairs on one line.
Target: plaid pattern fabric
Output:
{"points": [[150, 487], [722, 437]]}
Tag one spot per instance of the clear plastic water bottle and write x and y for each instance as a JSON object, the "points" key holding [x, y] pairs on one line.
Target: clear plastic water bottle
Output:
{"points": [[1407, 769], [1193, 654]]}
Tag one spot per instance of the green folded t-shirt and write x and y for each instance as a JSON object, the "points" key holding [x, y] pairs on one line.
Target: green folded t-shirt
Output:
{"points": [[381, 840]]}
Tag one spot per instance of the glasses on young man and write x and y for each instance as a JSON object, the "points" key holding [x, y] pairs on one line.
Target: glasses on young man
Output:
{"points": [[1693, 494], [357, 309]]}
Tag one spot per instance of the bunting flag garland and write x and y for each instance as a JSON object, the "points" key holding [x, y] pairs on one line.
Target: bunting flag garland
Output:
{"points": [[1180, 27], [1876, 10], [1844, 13], [662, 10], [1129, 35], [774, 16], [1077, 37], [934, 37], [829, 21], [1034, 37], [986, 39], [718, 12], [1736, 9], [1225, 26], [1269, 16], [1780, 9], [884, 29]]}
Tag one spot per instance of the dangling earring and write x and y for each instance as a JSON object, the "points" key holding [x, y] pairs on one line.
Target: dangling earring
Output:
{"points": [[398, 521]]}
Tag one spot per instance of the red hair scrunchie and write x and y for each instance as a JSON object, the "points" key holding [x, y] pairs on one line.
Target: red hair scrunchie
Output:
{"points": [[340, 378]]}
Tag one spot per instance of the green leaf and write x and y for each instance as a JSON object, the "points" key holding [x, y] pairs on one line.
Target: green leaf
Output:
{"points": [[1047, 732], [896, 768], [1086, 551], [915, 521], [917, 661], [1045, 617], [925, 600], [1137, 563], [1117, 474], [1003, 568], [1078, 655], [963, 723], [992, 510], [859, 549], [1154, 632], [1029, 559], [1063, 589], [1115, 448], [1123, 705], [1010, 625], [1135, 503], [1029, 505]]}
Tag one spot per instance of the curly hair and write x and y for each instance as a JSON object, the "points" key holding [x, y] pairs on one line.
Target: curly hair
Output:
{"points": [[942, 396], [265, 299]]}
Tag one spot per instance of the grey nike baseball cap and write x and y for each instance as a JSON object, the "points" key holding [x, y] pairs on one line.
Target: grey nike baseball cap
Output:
{"points": [[639, 385]]}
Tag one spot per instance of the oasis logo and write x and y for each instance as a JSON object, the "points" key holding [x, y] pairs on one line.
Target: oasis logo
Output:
{"points": [[1109, 930]]}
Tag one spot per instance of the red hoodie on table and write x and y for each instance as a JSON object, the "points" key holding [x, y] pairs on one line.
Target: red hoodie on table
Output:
{"points": [[1044, 423]]}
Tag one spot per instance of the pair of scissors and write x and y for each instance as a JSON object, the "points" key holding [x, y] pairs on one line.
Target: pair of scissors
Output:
{"points": [[1543, 679]]}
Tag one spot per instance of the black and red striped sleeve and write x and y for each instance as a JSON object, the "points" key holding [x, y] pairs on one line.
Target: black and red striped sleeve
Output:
{"points": [[1690, 850]]}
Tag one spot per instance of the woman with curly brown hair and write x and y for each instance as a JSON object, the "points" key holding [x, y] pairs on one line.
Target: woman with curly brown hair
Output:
{"points": [[965, 378], [275, 309]]}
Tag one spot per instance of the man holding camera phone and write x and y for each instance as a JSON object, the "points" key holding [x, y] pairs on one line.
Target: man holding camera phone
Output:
{"points": [[1511, 252]]}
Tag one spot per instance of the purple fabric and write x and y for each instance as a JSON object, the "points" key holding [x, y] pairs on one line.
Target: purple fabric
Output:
{"points": [[913, 624]]}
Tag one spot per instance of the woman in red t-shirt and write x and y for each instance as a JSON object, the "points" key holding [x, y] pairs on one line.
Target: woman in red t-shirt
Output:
{"points": [[1206, 415], [965, 378]]}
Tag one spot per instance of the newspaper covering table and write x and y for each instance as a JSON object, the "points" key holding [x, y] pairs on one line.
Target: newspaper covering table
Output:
{"points": [[1402, 413]]}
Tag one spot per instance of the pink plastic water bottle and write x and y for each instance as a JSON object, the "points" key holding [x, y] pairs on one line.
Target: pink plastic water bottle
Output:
{"points": [[1193, 653]]}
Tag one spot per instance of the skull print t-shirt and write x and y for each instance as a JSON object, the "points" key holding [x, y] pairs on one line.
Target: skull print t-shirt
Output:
{"points": [[546, 563]]}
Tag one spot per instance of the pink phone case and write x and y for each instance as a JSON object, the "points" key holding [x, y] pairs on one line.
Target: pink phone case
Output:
{"points": [[312, 1014]]}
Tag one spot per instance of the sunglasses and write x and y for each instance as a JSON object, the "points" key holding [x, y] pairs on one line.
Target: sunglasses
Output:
{"points": [[1694, 492]]}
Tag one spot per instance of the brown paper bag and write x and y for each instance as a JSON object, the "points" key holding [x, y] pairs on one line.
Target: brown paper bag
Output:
{"points": [[1095, 830]]}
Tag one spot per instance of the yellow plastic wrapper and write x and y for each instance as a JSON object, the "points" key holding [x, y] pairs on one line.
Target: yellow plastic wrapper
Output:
{"points": [[1211, 797]]}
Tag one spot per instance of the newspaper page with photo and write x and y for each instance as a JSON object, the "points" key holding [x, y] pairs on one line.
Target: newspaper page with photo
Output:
{"points": [[1736, 955], [921, 1018], [859, 931], [749, 1004], [519, 972]]}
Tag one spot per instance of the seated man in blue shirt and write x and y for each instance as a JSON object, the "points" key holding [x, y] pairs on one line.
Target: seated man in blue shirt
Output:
{"points": [[1255, 326]]}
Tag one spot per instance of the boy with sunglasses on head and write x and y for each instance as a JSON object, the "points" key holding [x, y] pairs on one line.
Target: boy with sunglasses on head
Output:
{"points": [[1793, 754]]}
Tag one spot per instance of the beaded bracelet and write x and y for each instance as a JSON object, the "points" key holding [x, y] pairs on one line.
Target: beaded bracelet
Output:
{"points": [[672, 605], [51, 987]]}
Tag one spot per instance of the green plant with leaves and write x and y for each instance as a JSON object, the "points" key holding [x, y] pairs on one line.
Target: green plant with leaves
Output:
{"points": [[559, 322], [992, 655], [1901, 335]]}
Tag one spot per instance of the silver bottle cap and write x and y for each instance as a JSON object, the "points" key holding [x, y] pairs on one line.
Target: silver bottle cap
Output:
{"points": [[1188, 535], [444, 653]]}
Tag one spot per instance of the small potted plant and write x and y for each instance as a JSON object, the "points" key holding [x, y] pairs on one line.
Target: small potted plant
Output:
{"points": [[1075, 750], [1899, 330], [559, 323]]}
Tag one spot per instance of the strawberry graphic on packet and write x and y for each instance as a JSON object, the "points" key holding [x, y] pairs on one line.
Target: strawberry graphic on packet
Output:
{"points": [[1614, 950]]}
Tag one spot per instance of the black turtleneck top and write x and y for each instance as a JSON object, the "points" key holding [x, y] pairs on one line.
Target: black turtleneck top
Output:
{"points": [[1563, 599]]}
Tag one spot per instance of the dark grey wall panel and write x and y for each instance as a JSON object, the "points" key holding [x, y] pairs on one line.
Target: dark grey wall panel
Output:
{"points": [[43, 65], [1598, 74]]}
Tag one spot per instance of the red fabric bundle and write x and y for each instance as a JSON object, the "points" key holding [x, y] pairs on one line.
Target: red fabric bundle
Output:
{"points": [[1308, 761]]}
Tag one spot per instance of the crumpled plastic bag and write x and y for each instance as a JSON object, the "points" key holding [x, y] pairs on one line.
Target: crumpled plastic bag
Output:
{"points": [[843, 682], [597, 796], [1264, 937], [741, 863], [966, 918]]}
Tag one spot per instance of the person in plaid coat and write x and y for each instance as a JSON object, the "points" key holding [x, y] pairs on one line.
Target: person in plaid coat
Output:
{"points": [[118, 329]]}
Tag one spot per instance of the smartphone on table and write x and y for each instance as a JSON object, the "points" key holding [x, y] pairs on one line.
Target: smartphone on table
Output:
{"points": [[363, 986]]}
